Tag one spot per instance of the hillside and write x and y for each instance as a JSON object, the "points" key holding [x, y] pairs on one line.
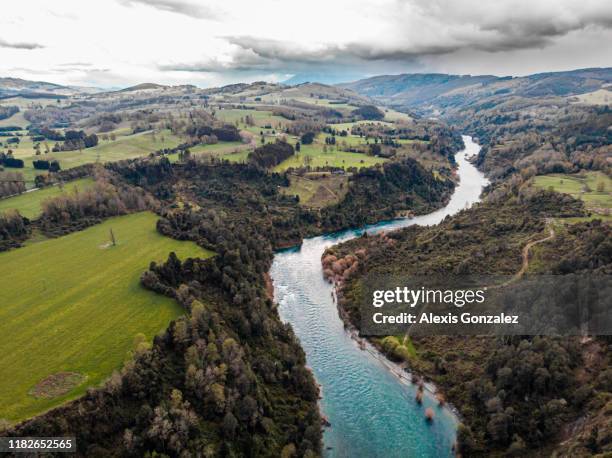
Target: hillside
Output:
{"points": [[142, 87], [12, 87], [415, 89], [496, 383], [245, 169], [433, 92], [537, 124]]}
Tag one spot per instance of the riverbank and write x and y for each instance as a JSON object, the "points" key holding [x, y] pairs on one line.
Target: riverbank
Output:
{"points": [[404, 373], [371, 404], [401, 371], [491, 380]]}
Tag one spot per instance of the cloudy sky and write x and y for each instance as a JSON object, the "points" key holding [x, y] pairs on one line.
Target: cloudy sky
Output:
{"points": [[113, 43]]}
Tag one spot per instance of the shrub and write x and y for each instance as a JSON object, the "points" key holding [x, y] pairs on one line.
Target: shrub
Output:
{"points": [[369, 112], [307, 138]]}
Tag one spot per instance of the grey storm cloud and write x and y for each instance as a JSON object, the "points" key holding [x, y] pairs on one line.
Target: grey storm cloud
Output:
{"points": [[14, 45], [176, 6], [489, 38], [241, 60], [416, 30], [283, 50], [539, 32], [501, 26]]}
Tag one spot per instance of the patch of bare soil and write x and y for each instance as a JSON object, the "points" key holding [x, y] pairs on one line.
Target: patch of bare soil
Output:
{"points": [[56, 385]]}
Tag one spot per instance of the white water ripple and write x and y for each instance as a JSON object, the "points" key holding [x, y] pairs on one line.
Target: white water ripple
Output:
{"points": [[373, 414]]}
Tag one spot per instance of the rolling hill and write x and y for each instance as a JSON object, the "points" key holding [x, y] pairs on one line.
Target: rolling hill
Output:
{"points": [[13, 87], [431, 92]]}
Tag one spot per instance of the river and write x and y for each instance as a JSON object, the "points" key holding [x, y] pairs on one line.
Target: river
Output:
{"points": [[373, 413]]}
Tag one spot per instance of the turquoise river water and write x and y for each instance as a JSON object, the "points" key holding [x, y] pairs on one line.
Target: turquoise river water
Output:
{"points": [[372, 410]]}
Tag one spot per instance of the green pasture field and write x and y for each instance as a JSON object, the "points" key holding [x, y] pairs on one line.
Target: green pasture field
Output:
{"points": [[349, 125], [334, 158], [25, 148], [131, 146], [74, 305], [260, 117], [124, 147], [232, 151], [16, 120], [317, 190], [221, 147], [29, 204], [594, 188], [393, 116], [26, 103], [327, 103]]}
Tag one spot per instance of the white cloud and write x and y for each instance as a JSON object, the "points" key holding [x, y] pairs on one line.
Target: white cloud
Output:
{"points": [[19, 45], [193, 9], [207, 43]]}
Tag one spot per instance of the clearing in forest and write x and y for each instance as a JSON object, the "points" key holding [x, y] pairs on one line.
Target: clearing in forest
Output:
{"points": [[72, 307]]}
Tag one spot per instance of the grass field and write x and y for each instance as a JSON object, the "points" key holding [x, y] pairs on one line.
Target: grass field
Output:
{"points": [[319, 158], [260, 117], [16, 120], [598, 97], [392, 115], [71, 307], [130, 146], [232, 151], [24, 103], [25, 149], [349, 125], [594, 188], [317, 190], [344, 108], [30, 203], [124, 147]]}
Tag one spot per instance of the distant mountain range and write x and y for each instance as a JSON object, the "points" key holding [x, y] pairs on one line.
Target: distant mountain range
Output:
{"points": [[322, 77], [11, 87], [424, 93], [430, 91]]}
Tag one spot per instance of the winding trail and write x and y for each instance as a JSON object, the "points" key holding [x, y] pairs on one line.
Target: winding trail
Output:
{"points": [[525, 254], [528, 247]]}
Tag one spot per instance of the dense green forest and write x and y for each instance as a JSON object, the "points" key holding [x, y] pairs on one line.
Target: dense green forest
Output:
{"points": [[516, 394]]}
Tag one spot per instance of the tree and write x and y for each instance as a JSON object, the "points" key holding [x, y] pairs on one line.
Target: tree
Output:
{"points": [[375, 149], [54, 166], [369, 112], [229, 425], [466, 445], [307, 138]]}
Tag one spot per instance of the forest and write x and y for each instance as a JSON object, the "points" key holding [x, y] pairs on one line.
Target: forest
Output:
{"points": [[223, 167], [228, 378], [496, 382]]}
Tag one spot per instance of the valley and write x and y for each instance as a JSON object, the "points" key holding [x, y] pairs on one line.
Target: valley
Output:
{"points": [[254, 182]]}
